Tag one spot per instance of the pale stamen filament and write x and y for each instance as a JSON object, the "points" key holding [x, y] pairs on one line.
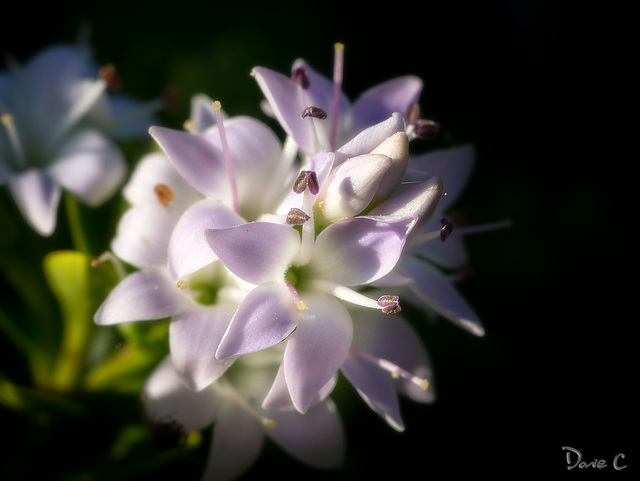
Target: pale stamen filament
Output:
{"points": [[217, 108], [14, 140], [349, 295], [338, 66], [396, 371]]}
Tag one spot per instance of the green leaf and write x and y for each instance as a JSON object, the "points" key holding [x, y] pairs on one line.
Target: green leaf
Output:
{"points": [[79, 288]]}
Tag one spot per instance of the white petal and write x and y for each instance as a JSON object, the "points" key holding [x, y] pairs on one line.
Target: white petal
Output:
{"points": [[166, 398], [144, 295], [37, 196], [194, 336], [90, 166]]}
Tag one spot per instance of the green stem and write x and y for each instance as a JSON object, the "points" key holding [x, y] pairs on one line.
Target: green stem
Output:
{"points": [[78, 234]]}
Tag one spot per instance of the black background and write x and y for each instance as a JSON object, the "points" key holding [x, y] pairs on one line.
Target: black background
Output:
{"points": [[540, 87]]}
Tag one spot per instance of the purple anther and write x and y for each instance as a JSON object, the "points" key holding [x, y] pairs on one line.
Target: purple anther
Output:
{"points": [[390, 304]]}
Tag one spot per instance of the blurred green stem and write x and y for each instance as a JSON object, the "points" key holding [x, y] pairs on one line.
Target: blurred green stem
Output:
{"points": [[78, 234]]}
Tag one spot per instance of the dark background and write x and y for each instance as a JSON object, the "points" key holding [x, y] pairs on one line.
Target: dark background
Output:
{"points": [[539, 88]]}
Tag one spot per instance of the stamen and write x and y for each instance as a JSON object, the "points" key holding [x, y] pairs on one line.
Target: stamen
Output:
{"points": [[297, 217], [313, 112], [477, 229], [181, 284], [338, 65], [389, 304], [307, 178], [14, 139], [447, 229], [301, 77], [269, 423], [115, 262], [418, 127], [396, 371], [164, 193], [426, 129], [110, 75], [300, 304], [217, 106], [312, 183]]}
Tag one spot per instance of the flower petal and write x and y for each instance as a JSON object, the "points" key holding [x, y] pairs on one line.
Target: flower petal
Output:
{"points": [[155, 169], [188, 247], [393, 339], [142, 236], [286, 100], [452, 165], [144, 295], [352, 185], [266, 317], [256, 252], [197, 160], [316, 437], [37, 196], [279, 399], [370, 138], [194, 336], [375, 386], [377, 103], [361, 249], [418, 200], [165, 398], [255, 150], [439, 293], [89, 166], [237, 440], [317, 349]]}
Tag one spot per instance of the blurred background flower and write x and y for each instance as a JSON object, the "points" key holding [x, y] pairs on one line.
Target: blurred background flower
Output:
{"points": [[524, 82]]}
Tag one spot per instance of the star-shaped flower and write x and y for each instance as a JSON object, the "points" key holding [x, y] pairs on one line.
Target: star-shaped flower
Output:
{"points": [[55, 134]]}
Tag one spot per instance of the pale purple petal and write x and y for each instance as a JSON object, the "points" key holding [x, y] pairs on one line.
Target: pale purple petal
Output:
{"points": [[439, 293], [377, 103], [352, 185], [279, 399], [360, 250], [236, 443], [370, 138], [266, 317], [453, 166], [419, 200], [317, 349], [89, 166], [49, 85], [165, 398], [256, 252], [254, 151], [286, 100], [142, 236], [393, 339], [316, 437], [188, 247], [144, 295], [202, 114], [197, 160], [37, 195], [155, 169], [194, 336], [376, 387]]}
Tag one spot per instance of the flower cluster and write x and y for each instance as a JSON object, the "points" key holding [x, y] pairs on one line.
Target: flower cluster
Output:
{"points": [[283, 264], [58, 121]]}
